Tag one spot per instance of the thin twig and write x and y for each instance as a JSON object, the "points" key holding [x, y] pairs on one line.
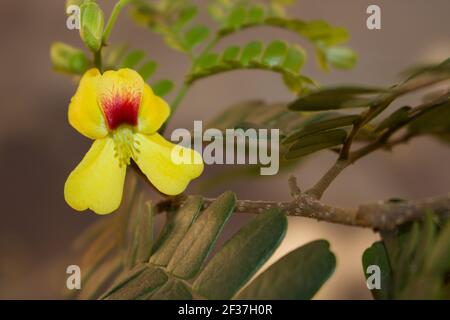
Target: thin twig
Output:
{"points": [[347, 157]]}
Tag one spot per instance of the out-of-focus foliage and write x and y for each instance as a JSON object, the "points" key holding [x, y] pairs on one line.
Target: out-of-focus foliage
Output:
{"points": [[414, 261], [175, 21], [432, 117]]}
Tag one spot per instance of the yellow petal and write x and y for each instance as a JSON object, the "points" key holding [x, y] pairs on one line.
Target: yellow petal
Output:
{"points": [[120, 95], [156, 160], [97, 182], [153, 112], [85, 114]]}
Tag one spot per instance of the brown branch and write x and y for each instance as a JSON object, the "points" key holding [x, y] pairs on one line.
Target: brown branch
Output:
{"points": [[383, 215]]}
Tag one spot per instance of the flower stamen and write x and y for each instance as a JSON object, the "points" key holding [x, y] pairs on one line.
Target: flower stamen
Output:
{"points": [[124, 145]]}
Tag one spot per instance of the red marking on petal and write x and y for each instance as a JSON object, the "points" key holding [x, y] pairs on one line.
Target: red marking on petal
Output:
{"points": [[121, 108]]}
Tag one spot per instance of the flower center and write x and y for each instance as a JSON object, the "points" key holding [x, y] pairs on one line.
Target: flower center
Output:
{"points": [[121, 107], [125, 145]]}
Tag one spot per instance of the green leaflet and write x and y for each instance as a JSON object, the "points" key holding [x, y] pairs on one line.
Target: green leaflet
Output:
{"points": [[297, 275], [200, 238], [295, 59], [242, 256], [145, 283], [316, 142], [337, 98], [230, 53], [177, 224], [251, 52], [172, 290], [162, 87], [148, 69], [132, 59], [68, 59], [236, 18], [195, 36], [377, 255], [327, 124], [185, 16], [434, 122], [340, 57], [394, 119], [275, 54]]}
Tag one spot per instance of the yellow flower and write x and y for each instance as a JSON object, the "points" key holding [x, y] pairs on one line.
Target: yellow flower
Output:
{"points": [[119, 111]]}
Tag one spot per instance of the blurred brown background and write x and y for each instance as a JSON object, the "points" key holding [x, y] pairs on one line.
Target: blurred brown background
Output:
{"points": [[38, 149]]}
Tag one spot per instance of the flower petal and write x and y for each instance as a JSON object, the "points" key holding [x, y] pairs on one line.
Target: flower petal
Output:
{"points": [[97, 182], [156, 160], [85, 114], [120, 95], [153, 112]]}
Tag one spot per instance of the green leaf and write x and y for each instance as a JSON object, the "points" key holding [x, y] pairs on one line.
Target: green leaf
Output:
{"points": [[237, 17], [208, 60], [251, 52], [320, 31], [341, 57], [337, 98], [316, 142], [256, 15], [148, 69], [195, 36], [68, 59], [242, 256], [177, 224], [419, 256], [200, 238], [146, 282], [217, 11], [231, 53], [140, 230], [100, 278], [132, 59], [295, 59], [298, 275], [275, 53], [163, 87], [426, 241], [394, 119], [113, 55], [172, 290], [377, 255], [435, 122], [145, 233], [442, 68], [186, 15], [123, 279], [439, 257], [327, 124]]}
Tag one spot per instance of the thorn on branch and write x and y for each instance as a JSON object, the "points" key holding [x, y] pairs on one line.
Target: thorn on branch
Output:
{"points": [[293, 187]]}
